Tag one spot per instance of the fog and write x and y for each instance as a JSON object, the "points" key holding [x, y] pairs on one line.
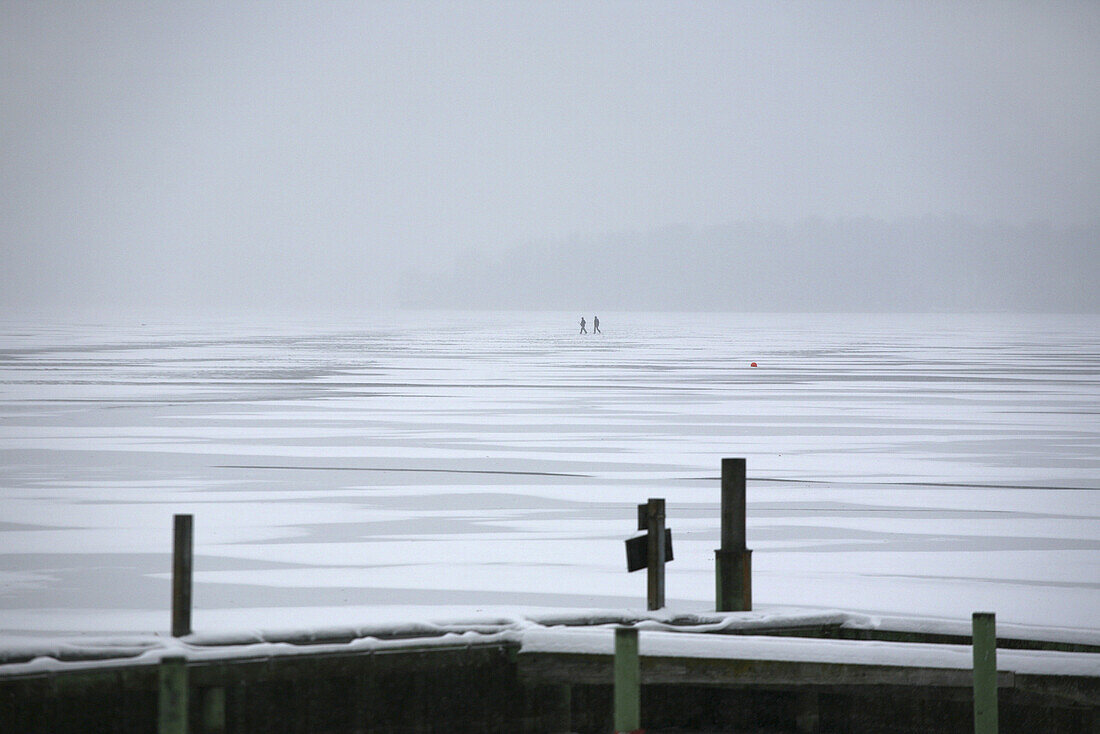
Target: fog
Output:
{"points": [[726, 156]]}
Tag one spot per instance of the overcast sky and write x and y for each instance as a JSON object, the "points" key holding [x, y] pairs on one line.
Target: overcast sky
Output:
{"points": [[282, 153]]}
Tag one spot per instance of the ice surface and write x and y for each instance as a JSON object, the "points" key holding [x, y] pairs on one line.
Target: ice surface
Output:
{"points": [[346, 472]]}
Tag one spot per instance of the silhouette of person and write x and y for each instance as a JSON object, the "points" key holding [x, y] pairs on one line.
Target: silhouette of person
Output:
{"points": [[596, 325], [582, 326]]}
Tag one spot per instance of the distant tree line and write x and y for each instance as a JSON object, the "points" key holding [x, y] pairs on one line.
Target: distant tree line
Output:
{"points": [[919, 264]]}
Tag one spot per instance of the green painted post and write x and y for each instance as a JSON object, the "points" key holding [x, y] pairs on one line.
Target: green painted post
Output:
{"points": [[172, 705], [985, 672], [733, 561], [628, 681]]}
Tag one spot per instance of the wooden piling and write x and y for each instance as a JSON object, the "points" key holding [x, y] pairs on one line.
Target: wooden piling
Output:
{"points": [[733, 561], [628, 681], [172, 699], [985, 672], [733, 504], [655, 553], [182, 547]]}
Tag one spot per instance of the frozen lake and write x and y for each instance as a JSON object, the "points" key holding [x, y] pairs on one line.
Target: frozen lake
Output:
{"points": [[437, 464]]}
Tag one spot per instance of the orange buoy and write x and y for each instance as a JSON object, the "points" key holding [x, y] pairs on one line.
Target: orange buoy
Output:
{"points": [[753, 364]]}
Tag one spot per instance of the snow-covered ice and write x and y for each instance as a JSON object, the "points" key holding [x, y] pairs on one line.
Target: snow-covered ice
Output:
{"points": [[430, 464]]}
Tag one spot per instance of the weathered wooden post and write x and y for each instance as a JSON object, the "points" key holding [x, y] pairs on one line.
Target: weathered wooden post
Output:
{"points": [[172, 702], [628, 681], [651, 551], [733, 561], [985, 672], [181, 575], [655, 553]]}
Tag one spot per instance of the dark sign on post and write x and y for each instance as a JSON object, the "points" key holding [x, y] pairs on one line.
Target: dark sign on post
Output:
{"points": [[636, 551]]}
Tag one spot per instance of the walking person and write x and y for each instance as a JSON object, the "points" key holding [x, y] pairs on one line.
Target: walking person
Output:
{"points": [[582, 326], [596, 325]]}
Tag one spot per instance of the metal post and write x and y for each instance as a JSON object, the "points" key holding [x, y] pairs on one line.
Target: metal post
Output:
{"points": [[181, 575], [628, 681], [172, 707], [733, 561], [655, 552], [985, 672]]}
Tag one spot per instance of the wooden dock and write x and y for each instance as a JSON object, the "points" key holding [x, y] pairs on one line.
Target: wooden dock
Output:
{"points": [[710, 674]]}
